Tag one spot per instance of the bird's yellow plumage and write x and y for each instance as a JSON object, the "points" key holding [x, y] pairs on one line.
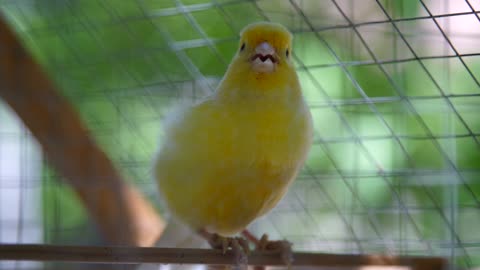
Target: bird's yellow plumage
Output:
{"points": [[231, 157]]}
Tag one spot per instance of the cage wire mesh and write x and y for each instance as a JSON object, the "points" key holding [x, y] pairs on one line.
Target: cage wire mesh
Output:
{"points": [[393, 87]]}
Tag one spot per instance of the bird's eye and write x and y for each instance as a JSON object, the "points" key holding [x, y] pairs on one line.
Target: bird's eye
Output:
{"points": [[242, 47], [287, 52]]}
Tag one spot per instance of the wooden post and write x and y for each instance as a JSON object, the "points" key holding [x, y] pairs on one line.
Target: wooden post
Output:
{"points": [[120, 211]]}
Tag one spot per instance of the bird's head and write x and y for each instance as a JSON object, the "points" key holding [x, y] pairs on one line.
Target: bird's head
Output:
{"points": [[265, 46], [264, 55]]}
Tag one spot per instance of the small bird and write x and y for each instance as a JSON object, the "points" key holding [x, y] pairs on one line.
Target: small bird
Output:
{"points": [[229, 158]]}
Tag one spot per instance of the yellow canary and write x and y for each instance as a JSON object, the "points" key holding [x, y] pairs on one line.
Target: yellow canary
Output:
{"points": [[231, 157]]}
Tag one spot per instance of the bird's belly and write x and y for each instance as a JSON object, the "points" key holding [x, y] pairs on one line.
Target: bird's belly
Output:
{"points": [[235, 167], [225, 198]]}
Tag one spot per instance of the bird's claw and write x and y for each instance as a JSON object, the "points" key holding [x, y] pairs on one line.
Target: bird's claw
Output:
{"points": [[239, 252], [282, 246], [238, 245]]}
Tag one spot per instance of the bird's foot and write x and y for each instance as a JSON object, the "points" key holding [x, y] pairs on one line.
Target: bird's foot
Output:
{"points": [[282, 246], [263, 244], [238, 245]]}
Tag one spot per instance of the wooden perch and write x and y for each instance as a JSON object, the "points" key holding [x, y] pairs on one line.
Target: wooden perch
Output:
{"points": [[127, 255], [122, 214]]}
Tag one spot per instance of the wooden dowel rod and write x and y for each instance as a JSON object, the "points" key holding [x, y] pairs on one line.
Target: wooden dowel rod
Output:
{"points": [[136, 255]]}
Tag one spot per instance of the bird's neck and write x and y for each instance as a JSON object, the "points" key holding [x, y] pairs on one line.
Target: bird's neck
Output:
{"points": [[247, 85]]}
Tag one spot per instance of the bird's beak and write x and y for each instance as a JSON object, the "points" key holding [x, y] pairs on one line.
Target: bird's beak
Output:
{"points": [[264, 59]]}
